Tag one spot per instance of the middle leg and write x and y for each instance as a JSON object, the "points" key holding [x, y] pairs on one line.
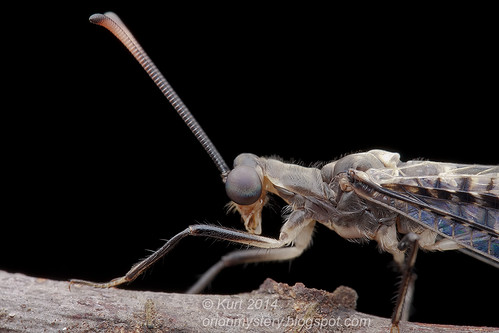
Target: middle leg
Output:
{"points": [[301, 242]]}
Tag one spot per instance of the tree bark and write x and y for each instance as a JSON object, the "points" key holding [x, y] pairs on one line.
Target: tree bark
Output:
{"points": [[29, 304]]}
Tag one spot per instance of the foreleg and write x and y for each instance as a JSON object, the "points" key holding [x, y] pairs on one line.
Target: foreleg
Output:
{"points": [[217, 232]]}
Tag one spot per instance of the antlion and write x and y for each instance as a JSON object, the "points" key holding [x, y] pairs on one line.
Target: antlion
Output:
{"points": [[364, 196]]}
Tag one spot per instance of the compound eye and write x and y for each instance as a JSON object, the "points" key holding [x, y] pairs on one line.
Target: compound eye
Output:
{"points": [[243, 186]]}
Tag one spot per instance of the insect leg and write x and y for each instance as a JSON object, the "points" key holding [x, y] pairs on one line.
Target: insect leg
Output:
{"points": [[231, 235], [410, 242], [255, 255]]}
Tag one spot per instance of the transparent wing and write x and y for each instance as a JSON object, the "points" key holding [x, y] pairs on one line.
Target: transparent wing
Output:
{"points": [[458, 202]]}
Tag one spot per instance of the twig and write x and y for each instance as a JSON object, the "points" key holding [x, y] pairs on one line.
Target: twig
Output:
{"points": [[30, 304]]}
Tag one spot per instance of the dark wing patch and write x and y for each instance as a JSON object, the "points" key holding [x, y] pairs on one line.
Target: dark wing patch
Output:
{"points": [[443, 197]]}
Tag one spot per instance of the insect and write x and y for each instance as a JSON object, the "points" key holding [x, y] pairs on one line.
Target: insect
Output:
{"points": [[403, 206]]}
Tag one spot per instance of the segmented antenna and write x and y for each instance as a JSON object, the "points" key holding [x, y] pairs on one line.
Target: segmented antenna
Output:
{"points": [[112, 22]]}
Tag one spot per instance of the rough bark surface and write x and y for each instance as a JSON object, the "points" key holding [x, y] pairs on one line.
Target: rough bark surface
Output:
{"points": [[29, 304]]}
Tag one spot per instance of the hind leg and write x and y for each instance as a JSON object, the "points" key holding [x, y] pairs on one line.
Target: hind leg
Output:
{"points": [[409, 243]]}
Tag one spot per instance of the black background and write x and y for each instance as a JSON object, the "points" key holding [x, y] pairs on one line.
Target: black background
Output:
{"points": [[98, 167]]}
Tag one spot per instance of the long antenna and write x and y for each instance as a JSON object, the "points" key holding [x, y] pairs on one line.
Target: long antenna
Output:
{"points": [[112, 22]]}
